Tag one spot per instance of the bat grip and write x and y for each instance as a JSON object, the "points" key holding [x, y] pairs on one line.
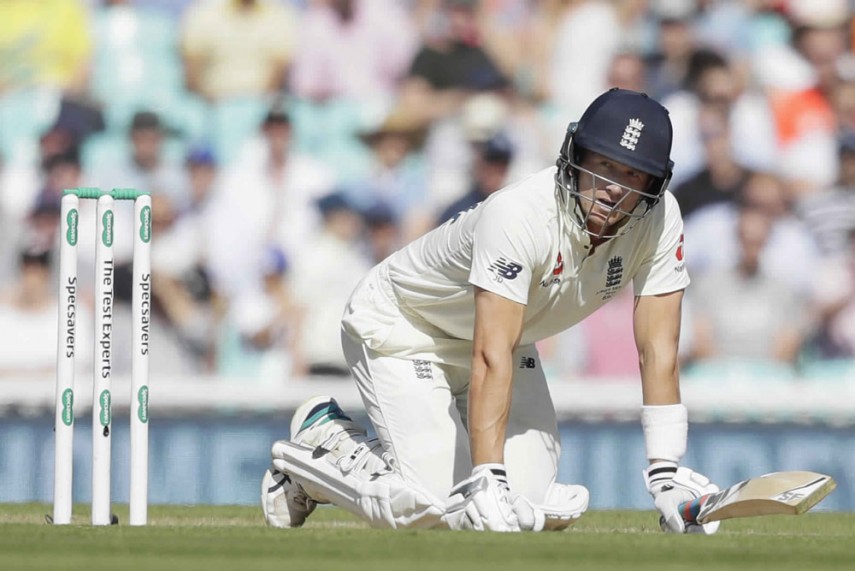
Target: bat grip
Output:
{"points": [[690, 510]]}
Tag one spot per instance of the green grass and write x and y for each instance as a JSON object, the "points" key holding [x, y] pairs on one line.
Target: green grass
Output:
{"points": [[235, 538]]}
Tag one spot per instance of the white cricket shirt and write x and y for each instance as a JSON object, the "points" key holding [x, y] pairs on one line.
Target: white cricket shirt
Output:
{"points": [[419, 303]]}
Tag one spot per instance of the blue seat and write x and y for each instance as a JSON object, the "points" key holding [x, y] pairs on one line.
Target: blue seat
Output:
{"points": [[233, 121], [105, 148], [190, 115]]}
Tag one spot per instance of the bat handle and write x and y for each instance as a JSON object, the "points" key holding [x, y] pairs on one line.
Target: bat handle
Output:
{"points": [[690, 510]]}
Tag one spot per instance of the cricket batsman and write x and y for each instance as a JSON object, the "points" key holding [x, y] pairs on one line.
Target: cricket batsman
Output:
{"points": [[440, 338]]}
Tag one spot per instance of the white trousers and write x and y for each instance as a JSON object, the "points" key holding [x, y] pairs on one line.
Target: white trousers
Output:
{"points": [[418, 410]]}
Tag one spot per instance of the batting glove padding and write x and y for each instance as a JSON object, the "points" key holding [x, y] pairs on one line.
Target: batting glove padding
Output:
{"points": [[671, 486], [482, 502]]}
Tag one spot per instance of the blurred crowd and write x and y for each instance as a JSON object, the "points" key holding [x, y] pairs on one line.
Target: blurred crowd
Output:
{"points": [[291, 144]]}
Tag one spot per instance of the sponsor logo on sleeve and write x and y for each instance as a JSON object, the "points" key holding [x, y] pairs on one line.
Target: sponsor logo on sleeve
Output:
{"points": [[557, 270], [505, 269], [681, 265]]}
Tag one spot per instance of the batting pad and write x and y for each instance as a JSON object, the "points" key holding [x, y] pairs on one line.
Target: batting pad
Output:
{"points": [[384, 500]]}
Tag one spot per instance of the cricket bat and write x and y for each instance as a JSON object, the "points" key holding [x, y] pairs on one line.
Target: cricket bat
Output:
{"points": [[790, 493]]}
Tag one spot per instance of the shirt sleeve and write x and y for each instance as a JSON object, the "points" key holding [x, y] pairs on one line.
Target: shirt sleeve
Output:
{"points": [[504, 249], [664, 270]]}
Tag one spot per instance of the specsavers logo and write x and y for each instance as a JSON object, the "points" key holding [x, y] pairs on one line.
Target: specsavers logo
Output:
{"points": [[105, 410], [107, 234], [142, 400], [145, 224], [67, 414], [71, 233]]}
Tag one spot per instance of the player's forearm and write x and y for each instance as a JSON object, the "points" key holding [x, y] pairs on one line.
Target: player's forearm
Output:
{"points": [[656, 322], [660, 375], [489, 406]]}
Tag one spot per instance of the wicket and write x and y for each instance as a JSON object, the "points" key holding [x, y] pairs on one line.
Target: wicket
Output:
{"points": [[102, 363]]}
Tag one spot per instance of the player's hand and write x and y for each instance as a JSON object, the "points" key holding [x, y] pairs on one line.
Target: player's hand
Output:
{"points": [[670, 486], [482, 502]]}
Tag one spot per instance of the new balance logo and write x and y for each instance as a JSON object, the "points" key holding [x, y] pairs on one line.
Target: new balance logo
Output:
{"points": [[505, 269], [528, 363], [631, 134]]}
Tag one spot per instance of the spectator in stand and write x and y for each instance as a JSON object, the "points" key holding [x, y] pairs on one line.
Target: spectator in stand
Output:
{"points": [[44, 44], [202, 176], [801, 91], [843, 94], [60, 171], [327, 268], [353, 49], [237, 48], [489, 174], [627, 71], [835, 297], [722, 177], [790, 254], [450, 63], [742, 313], [184, 307], [740, 28], [383, 234], [831, 213], [266, 199], [506, 29], [146, 167], [137, 60], [182, 279], [396, 173], [23, 181], [259, 335], [586, 38], [711, 84], [669, 65], [28, 310]]}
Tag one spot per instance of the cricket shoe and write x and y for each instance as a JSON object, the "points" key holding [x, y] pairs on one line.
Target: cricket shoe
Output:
{"points": [[322, 425], [283, 501], [319, 425], [319, 419]]}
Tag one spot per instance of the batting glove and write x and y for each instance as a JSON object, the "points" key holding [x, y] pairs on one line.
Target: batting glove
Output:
{"points": [[482, 502], [670, 487]]}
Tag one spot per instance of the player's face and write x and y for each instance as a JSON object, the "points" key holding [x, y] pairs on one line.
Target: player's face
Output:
{"points": [[609, 191]]}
